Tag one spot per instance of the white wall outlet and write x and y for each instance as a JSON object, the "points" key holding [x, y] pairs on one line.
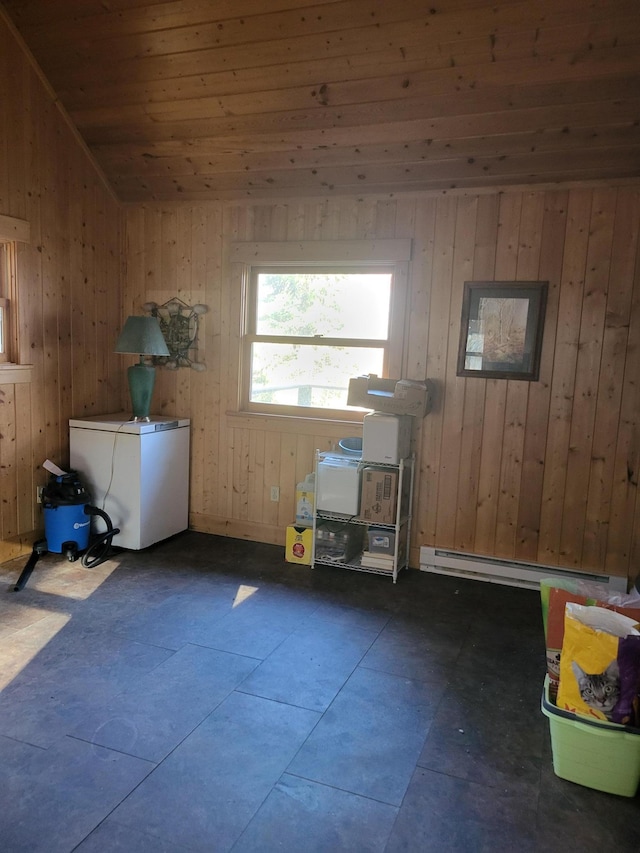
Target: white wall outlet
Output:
{"points": [[39, 491], [275, 493]]}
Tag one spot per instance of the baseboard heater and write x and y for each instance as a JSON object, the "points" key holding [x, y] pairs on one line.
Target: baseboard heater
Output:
{"points": [[507, 572]]}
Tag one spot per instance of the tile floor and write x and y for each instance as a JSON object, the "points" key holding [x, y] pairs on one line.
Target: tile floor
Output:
{"points": [[204, 695]]}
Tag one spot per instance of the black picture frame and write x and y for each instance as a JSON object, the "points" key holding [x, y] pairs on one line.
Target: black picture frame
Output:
{"points": [[501, 329]]}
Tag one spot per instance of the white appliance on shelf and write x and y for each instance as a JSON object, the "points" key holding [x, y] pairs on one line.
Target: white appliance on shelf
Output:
{"points": [[338, 484], [386, 438], [138, 472]]}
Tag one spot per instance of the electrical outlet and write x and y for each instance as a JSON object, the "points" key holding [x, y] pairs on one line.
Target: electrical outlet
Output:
{"points": [[275, 493], [39, 491]]}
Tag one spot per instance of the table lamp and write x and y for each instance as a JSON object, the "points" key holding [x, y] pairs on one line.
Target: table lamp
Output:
{"points": [[141, 335]]}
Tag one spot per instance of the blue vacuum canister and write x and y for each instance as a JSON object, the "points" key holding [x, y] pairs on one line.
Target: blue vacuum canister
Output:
{"points": [[66, 525]]}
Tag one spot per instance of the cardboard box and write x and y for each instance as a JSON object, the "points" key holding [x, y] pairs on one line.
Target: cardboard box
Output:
{"points": [[392, 396], [379, 498], [299, 545]]}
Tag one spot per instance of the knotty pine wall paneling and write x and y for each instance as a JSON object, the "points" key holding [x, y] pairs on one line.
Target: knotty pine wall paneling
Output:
{"points": [[69, 287], [541, 472], [622, 331], [553, 222]]}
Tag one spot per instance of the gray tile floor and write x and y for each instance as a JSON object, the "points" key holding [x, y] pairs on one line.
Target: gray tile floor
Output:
{"points": [[204, 695]]}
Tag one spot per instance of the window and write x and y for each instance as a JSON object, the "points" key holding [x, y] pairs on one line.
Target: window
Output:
{"points": [[12, 232], [7, 287], [314, 314], [310, 330]]}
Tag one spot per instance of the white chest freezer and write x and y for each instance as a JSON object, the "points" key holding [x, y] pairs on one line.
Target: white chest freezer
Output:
{"points": [[138, 472]]}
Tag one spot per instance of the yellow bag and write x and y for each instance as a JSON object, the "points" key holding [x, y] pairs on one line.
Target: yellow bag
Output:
{"points": [[591, 676]]}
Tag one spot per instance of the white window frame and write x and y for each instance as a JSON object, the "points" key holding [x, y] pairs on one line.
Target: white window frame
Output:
{"points": [[309, 256], [12, 232], [8, 340]]}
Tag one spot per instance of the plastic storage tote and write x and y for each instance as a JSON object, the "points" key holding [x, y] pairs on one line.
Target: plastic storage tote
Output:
{"points": [[604, 756]]}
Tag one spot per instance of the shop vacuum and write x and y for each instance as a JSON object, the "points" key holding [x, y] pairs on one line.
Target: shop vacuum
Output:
{"points": [[67, 526]]}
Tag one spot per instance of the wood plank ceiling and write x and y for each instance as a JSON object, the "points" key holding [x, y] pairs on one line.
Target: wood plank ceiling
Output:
{"points": [[196, 99]]}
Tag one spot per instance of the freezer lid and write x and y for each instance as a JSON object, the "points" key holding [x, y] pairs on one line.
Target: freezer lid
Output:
{"points": [[121, 422]]}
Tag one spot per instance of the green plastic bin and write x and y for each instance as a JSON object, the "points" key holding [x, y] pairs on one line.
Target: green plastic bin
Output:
{"points": [[604, 756]]}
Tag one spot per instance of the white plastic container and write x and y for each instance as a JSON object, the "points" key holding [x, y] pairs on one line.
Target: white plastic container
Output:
{"points": [[386, 438], [305, 498]]}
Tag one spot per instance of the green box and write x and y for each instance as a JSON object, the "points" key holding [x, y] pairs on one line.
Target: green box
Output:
{"points": [[604, 756]]}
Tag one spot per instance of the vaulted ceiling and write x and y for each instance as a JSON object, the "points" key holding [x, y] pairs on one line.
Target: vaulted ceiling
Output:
{"points": [[210, 99]]}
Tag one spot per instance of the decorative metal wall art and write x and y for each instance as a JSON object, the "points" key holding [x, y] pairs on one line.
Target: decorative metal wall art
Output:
{"points": [[179, 326]]}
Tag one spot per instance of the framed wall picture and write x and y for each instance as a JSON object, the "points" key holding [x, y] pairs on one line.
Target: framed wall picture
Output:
{"points": [[501, 329]]}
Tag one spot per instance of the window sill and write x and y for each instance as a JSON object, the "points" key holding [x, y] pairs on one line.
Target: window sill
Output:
{"points": [[13, 374], [292, 423]]}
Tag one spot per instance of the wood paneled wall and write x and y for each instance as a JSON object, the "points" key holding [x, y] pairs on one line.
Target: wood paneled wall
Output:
{"points": [[542, 472], [69, 290]]}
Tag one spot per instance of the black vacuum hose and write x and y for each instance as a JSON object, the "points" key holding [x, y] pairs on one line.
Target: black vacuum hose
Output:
{"points": [[99, 549]]}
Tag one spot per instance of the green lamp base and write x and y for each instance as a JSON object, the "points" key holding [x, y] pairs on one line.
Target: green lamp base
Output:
{"points": [[142, 378]]}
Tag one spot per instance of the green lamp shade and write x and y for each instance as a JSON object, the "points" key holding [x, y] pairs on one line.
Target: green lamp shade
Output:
{"points": [[141, 335]]}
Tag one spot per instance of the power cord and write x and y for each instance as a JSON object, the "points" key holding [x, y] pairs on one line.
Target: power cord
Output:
{"points": [[99, 549]]}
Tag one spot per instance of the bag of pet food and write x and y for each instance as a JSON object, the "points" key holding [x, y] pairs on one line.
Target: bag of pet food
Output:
{"points": [[556, 593], [600, 665]]}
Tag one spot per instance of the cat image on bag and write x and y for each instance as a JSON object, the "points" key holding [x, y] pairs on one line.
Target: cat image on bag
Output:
{"points": [[600, 690]]}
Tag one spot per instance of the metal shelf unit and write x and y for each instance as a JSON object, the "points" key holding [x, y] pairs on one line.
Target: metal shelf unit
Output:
{"points": [[401, 527]]}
